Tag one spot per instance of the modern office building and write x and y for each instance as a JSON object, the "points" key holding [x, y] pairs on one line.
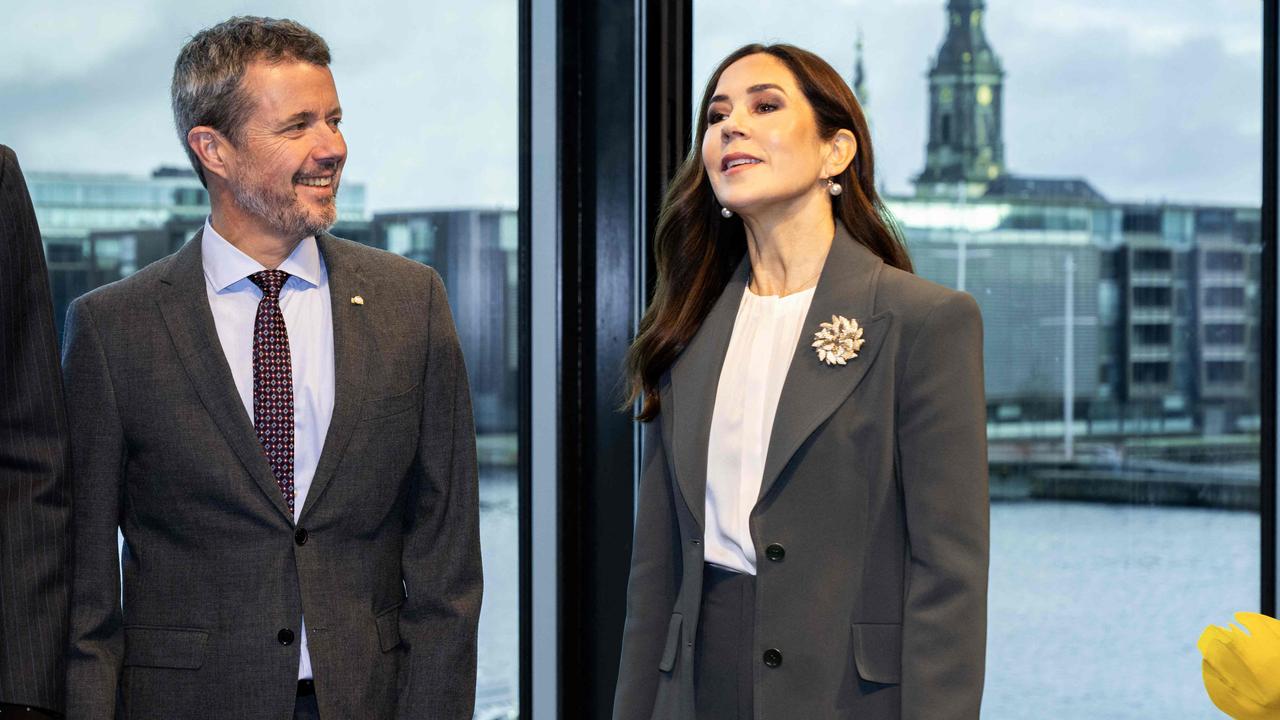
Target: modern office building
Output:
{"points": [[1145, 315], [100, 227], [475, 252]]}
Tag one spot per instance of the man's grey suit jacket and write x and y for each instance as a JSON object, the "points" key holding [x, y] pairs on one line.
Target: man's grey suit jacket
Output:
{"points": [[34, 509], [875, 488], [384, 560]]}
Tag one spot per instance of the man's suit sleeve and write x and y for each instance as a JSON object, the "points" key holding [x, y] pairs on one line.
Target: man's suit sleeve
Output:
{"points": [[942, 458], [651, 588], [34, 507], [96, 650], [441, 557]]}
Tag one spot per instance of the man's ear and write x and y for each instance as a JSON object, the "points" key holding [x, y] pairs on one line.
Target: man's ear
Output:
{"points": [[212, 148], [842, 149]]}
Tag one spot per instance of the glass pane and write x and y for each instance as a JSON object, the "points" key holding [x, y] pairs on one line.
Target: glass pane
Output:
{"points": [[431, 123], [1103, 209]]}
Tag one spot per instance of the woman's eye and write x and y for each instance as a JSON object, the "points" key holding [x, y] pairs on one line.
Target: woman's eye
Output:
{"points": [[715, 117], [766, 107]]}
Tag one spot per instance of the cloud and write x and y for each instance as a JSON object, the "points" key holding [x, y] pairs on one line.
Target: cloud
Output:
{"points": [[429, 91], [1146, 99]]}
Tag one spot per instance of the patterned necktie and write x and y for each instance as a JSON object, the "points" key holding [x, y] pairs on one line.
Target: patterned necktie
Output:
{"points": [[273, 381]]}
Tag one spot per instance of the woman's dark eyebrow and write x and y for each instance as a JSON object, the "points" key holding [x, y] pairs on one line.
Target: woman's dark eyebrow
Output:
{"points": [[750, 91]]}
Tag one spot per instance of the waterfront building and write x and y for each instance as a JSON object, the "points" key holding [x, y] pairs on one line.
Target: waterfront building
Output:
{"points": [[100, 227], [1102, 318]]}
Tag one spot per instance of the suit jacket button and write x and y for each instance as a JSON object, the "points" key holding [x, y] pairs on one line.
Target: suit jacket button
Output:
{"points": [[772, 657], [775, 552], [285, 636], [300, 536]]}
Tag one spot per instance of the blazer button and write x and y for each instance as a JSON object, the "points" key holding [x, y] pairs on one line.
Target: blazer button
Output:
{"points": [[696, 541], [300, 536], [775, 552], [285, 636], [772, 658]]}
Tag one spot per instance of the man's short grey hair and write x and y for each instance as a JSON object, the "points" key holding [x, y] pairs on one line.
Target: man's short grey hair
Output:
{"points": [[207, 76]]}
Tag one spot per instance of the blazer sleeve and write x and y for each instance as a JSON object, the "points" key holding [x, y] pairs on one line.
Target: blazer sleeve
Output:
{"points": [[441, 554], [651, 588], [34, 507], [96, 652], [942, 459]]}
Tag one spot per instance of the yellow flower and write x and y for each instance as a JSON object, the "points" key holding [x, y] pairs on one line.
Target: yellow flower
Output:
{"points": [[1242, 670]]}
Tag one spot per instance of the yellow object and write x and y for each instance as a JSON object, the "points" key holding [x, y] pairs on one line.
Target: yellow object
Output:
{"points": [[357, 300], [1242, 669]]}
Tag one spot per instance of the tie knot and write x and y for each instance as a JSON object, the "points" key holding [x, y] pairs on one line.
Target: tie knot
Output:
{"points": [[270, 281]]}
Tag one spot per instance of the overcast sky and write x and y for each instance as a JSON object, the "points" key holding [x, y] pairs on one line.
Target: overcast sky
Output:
{"points": [[1148, 99]]}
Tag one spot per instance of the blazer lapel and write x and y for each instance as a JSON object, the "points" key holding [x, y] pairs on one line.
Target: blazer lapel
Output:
{"points": [[694, 378], [185, 308], [349, 344], [813, 390]]}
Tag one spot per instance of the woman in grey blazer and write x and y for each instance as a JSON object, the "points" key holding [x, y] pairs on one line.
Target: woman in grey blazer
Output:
{"points": [[812, 529]]}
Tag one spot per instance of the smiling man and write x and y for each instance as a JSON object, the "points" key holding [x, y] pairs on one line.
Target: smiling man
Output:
{"points": [[278, 421]]}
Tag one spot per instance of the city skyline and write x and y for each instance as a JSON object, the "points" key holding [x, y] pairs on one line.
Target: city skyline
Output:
{"points": [[1130, 115]]}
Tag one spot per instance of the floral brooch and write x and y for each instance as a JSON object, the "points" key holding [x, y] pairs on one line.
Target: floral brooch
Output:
{"points": [[838, 341]]}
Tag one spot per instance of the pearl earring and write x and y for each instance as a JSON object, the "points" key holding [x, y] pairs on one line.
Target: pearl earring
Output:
{"points": [[726, 213], [834, 187]]}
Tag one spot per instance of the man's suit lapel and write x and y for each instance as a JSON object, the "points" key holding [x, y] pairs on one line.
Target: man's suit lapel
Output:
{"points": [[349, 347], [185, 308], [694, 378], [814, 390]]}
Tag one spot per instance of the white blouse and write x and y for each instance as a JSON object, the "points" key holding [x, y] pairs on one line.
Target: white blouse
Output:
{"points": [[765, 333]]}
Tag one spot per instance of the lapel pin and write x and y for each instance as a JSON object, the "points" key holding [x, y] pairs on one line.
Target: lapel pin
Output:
{"points": [[838, 341], [357, 300]]}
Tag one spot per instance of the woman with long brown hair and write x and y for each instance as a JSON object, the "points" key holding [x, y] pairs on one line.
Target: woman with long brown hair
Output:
{"points": [[812, 527]]}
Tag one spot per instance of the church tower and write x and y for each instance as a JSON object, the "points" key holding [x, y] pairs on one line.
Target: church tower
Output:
{"points": [[966, 140], [860, 76]]}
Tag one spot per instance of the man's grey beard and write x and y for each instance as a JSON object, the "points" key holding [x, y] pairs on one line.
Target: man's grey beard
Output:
{"points": [[280, 211]]}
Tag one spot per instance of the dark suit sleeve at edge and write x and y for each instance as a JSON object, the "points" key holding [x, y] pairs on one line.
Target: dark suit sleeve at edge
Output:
{"points": [[651, 588], [441, 556], [95, 654], [942, 454], [34, 506]]}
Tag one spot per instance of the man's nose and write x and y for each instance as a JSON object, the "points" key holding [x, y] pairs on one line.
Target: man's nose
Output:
{"points": [[332, 147]]}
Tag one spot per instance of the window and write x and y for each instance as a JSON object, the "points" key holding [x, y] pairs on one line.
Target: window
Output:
{"points": [[1219, 371], [1145, 297], [1150, 372], [1151, 334], [1114, 573], [1220, 260], [1217, 297], [1152, 260], [1224, 334], [431, 118]]}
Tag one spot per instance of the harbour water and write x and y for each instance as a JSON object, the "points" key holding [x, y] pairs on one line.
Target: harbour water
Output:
{"points": [[1094, 609]]}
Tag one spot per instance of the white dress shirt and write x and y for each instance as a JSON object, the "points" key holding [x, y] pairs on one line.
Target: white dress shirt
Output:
{"points": [[765, 333], [308, 319]]}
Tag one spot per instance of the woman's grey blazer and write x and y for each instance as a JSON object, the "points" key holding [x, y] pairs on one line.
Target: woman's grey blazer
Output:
{"points": [[872, 520]]}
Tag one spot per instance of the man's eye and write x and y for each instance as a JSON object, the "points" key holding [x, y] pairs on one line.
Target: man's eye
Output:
{"points": [[335, 122], [297, 127]]}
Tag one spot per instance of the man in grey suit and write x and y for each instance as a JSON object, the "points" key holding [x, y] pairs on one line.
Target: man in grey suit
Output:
{"points": [[34, 511], [278, 420]]}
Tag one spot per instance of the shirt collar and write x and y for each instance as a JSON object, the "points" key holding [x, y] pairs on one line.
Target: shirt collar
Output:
{"points": [[226, 265]]}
